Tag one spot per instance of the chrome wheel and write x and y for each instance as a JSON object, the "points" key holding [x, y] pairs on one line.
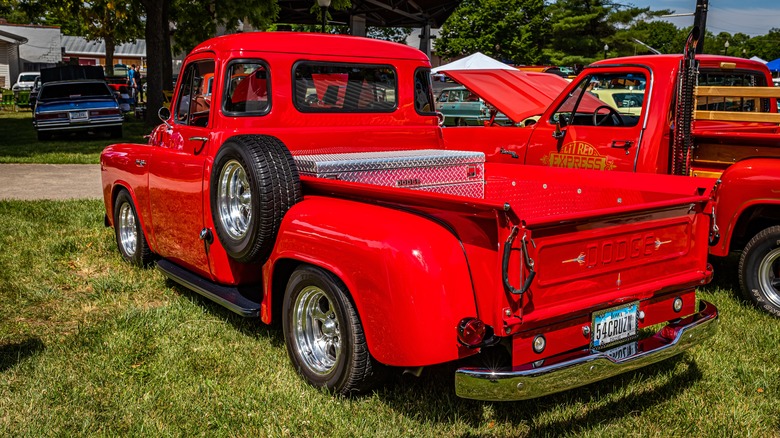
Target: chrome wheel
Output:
{"points": [[234, 200], [128, 233], [316, 330], [769, 276]]}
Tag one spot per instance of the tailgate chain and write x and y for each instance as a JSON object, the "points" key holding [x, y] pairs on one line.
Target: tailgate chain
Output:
{"points": [[505, 263]]}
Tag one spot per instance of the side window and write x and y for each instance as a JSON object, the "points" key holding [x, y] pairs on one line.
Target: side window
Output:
{"points": [[423, 92], [194, 99], [247, 88], [608, 99], [444, 96], [340, 88]]}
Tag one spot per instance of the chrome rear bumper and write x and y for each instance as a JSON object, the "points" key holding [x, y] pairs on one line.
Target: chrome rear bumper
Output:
{"points": [[591, 366]]}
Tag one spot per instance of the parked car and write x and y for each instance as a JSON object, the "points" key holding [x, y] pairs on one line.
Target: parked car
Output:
{"points": [[25, 81], [76, 105], [461, 107]]}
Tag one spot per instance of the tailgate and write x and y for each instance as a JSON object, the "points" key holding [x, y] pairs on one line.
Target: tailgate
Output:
{"points": [[598, 242]]}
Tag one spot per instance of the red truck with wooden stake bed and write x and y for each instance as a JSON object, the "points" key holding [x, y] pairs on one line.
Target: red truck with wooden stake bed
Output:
{"points": [[302, 178], [645, 114]]}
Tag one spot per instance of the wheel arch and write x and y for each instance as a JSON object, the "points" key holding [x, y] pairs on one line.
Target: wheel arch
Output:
{"points": [[747, 202], [409, 290], [118, 187]]}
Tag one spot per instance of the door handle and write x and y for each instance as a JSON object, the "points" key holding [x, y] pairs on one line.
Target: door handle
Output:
{"points": [[622, 144], [199, 139]]}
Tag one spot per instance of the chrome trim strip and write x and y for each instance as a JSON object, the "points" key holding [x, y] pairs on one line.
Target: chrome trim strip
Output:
{"points": [[486, 384]]}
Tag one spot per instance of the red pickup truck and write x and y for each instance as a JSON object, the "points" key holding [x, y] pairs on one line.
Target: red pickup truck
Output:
{"points": [[301, 178], [642, 114]]}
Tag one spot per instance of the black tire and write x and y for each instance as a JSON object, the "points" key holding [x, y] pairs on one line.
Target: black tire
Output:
{"points": [[759, 270], [115, 132], [129, 235], [317, 307], [270, 178], [44, 136]]}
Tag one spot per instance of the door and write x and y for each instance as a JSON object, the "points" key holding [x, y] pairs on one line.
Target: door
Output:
{"points": [[597, 126], [176, 170]]}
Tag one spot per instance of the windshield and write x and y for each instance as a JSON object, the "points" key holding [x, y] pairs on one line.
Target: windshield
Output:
{"points": [[27, 78], [74, 90]]}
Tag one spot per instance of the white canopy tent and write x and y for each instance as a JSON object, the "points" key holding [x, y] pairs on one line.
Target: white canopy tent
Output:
{"points": [[756, 58], [477, 61]]}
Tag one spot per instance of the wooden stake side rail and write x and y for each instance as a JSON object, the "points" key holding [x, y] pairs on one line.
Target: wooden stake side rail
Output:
{"points": [[738, 92]]}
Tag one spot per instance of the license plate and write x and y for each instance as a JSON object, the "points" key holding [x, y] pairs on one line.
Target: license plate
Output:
{"points": [[611, 326], [75, 115], [623, 351]]}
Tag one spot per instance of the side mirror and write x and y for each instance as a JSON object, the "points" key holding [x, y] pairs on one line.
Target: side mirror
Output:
{"points": [[558, 133], [164, 114]]}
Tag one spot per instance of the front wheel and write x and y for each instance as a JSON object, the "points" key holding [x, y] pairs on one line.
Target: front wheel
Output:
{"points": [[759, 270], [130, 237], [323, 334]]}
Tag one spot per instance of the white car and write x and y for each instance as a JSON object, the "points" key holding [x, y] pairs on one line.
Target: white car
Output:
{"points": [[25, 81]]}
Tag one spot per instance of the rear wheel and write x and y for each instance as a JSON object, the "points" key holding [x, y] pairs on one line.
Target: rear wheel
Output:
{"points": [[759, 270], [324, 335], [130, 237]]}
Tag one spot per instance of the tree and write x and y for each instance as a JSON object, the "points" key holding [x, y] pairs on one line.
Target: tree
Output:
{"points": [[765, 46], [509, 30], [660, 35], [158, 53], [581, 29], [113, 21]]}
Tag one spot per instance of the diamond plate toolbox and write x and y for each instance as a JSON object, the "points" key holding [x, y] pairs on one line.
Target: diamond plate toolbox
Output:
{"points": [[452, 172]]}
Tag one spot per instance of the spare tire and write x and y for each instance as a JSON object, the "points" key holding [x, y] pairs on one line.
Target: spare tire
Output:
{"points": [[254, 182]]}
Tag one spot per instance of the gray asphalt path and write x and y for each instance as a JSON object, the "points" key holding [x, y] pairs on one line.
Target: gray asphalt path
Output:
{"points": [[50, 181]]}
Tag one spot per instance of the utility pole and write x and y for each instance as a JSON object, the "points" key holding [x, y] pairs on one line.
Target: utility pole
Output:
{"points": [[700, 21]]}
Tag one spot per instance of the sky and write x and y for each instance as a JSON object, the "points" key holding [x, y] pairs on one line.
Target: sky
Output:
{"points": [[752, 17]]}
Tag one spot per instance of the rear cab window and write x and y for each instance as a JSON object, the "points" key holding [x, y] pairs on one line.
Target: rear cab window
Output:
{"points": [[343, 88], [716, 78]]}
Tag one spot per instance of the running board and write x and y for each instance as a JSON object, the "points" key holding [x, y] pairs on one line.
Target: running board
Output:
{"points": [[229, 297]]}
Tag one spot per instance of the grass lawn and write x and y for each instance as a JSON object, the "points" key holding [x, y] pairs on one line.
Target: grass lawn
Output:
{"points": [[92, 346], [20, 142]]}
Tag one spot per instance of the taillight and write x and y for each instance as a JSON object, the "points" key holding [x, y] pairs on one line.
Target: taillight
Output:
{"points": [[471, 331], [50, 116], [104, 112]]}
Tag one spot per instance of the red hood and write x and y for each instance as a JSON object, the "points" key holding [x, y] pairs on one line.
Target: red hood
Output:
{"points": [[518, 94]]}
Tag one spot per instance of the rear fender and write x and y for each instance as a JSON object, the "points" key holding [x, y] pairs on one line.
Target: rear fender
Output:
{"points": [[745, 186], [407, 275]]}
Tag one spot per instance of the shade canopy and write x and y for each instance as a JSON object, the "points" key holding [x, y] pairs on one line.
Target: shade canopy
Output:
{"points": [[477, 61], [756, 58], [773, 65]]}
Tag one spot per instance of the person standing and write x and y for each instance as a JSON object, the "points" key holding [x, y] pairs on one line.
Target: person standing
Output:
{"points": [[139, 83], [131, 82]]}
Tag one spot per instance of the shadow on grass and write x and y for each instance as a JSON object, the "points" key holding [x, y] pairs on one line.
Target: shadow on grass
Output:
{"points": [[435, 390], [12, 354], [250, 327]]}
